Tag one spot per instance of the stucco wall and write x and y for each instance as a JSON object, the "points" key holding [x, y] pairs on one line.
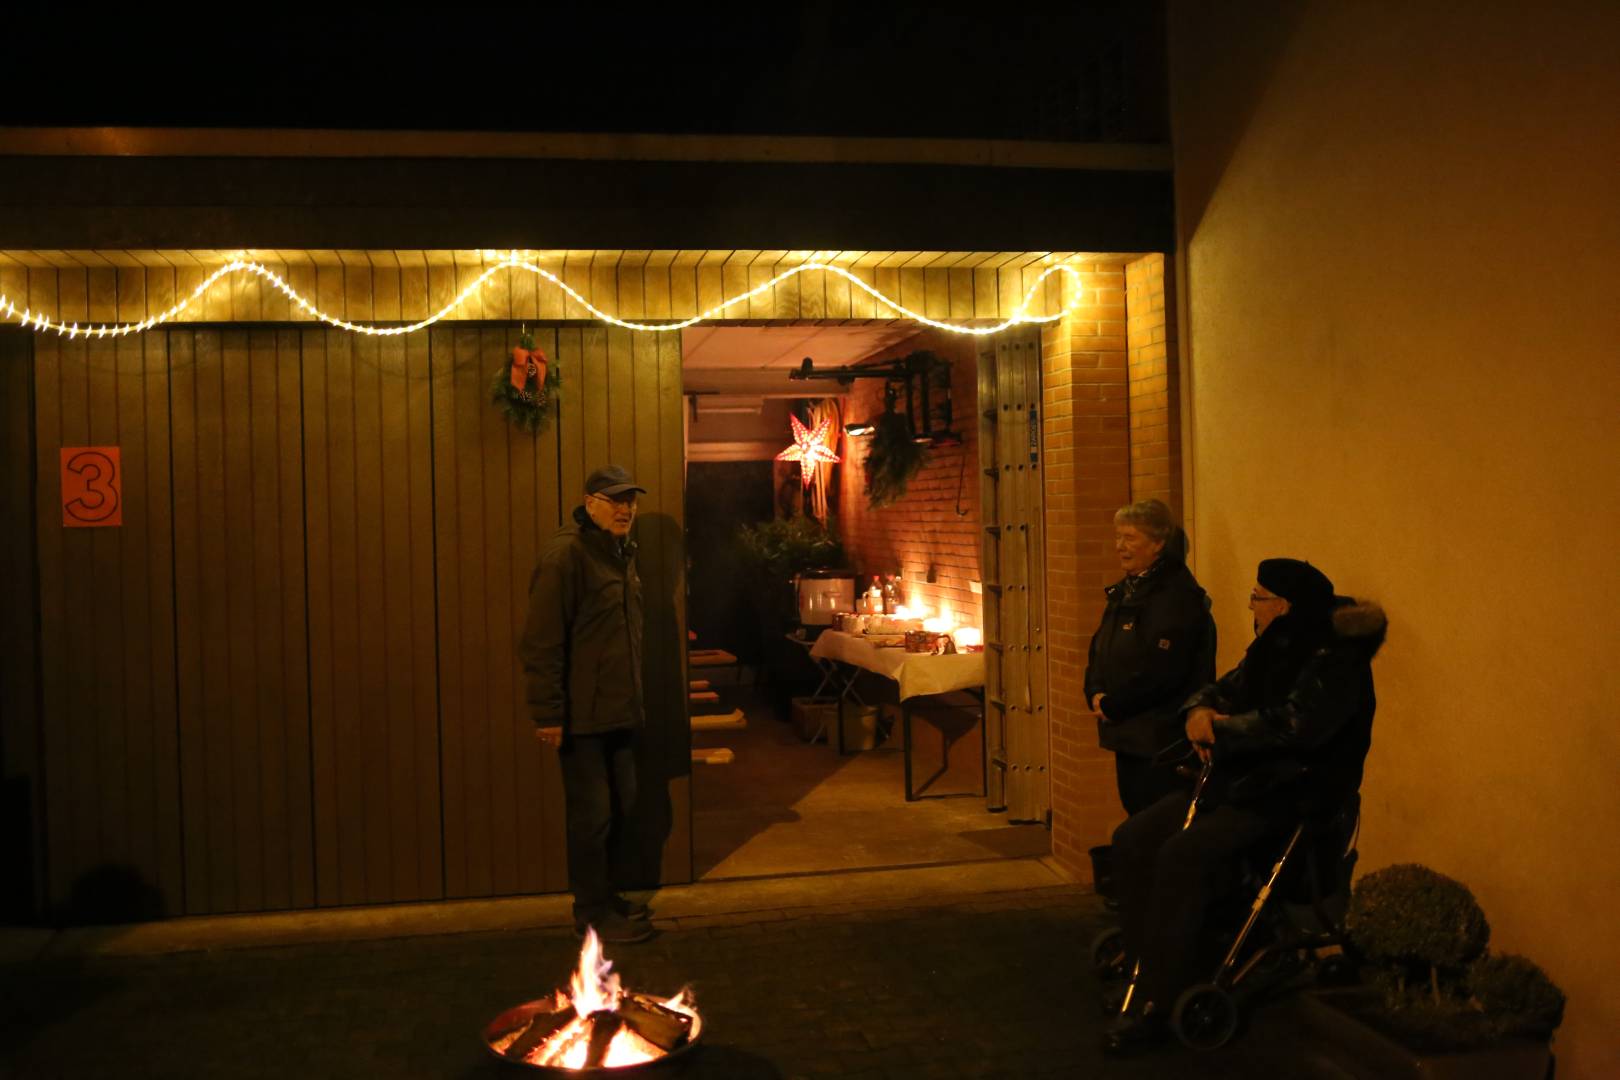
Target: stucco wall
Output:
{"points": [[1400, 232]]}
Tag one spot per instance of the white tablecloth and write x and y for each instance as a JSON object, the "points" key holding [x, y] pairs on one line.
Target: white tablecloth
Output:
{"points": [[916, 673]]}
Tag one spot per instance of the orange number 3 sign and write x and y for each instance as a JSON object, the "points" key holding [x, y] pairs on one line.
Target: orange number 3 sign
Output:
{"points": [[92, 486]]}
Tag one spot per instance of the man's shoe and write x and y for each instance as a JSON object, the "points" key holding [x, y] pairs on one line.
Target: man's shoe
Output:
{"points": [[630, 909], [615, 929], [1133, 1031]]}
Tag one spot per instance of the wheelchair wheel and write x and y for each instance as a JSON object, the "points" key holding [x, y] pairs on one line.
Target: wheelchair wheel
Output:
{"points": [[1205, 1017], [1108, 954]]}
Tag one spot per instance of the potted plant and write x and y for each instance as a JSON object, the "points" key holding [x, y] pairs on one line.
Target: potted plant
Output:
{"points": [[1434, 1002], [774, 553]]}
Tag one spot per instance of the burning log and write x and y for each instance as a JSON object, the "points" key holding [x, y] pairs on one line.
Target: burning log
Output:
{"points": [[665, 1028], [541, 1026], [605, 1024]]}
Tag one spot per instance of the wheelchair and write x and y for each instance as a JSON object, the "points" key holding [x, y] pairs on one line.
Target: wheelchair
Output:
{"points": [[1286, 914]]}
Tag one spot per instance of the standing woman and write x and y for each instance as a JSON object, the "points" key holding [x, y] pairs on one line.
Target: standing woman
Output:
{"points": [[1154, 649]]}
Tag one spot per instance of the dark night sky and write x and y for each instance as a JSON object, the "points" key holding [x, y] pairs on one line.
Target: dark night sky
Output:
{"points": [[1094, 73]]}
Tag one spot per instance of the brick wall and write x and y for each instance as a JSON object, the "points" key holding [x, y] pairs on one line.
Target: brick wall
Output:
{"points": [[1085, 385], [1155, 400], [925, 528]]}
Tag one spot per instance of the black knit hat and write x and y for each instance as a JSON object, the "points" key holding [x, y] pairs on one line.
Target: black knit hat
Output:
{"points": [[1306, 588]]}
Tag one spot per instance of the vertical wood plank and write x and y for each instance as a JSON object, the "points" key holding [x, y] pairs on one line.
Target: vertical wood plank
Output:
{"points": [[593, 383], [131, 295], [73, 296], [577, 272], [549, 295], [292, 676], [683, 286], [441, 282], [495, 664], [49, 540], [318, 422], [632, 296], [274, 305], [448, 568], [161, 625], [473, 645], [386, 292], [571, 448], [960, 287], [247, 301], [160, 290], [134, 640], [496, 292], [110, 714], [422, 617], [604, 290], [413, 287], [371, 732], [263, 599], [330, 291], [655, 284], [215, 700], [305, 281], [187, 592]]}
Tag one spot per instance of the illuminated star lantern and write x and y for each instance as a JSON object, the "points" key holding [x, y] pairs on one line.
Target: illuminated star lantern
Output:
{"points": [[809, 448]]}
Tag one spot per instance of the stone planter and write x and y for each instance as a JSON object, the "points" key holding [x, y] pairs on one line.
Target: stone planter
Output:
{"points": [[1367, 1053]]}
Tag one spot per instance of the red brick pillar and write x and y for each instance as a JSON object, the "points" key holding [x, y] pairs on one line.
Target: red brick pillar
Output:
{"points": [[1155, 399], [1087, 447]]}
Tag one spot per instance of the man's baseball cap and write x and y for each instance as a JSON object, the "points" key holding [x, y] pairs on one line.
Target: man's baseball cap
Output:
{"points": [[611, 480]]}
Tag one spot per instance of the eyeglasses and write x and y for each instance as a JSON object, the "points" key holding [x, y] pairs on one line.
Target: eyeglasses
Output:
{"points": [[627, 499]]}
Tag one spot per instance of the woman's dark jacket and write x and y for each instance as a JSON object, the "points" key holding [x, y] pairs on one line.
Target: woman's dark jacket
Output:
{"points": [[1302, 696], [1155, 646], [581, 645]]}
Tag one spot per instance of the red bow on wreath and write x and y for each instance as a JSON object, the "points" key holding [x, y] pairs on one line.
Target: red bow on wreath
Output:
{"points": [[524, 363]]}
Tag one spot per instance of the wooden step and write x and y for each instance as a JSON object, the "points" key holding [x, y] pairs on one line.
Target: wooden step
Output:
{"points": [[712, 658], [698, 684], [731, 721], [719, 755], [703, 697]]}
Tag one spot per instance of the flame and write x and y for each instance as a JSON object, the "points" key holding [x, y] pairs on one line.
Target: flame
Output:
{"points": [[937, 626], [904, 611], [969, 637], [593, 985]]}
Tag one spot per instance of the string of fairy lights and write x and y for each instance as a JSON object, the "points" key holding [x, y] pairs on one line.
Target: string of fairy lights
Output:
{"points": [[43, 323]]}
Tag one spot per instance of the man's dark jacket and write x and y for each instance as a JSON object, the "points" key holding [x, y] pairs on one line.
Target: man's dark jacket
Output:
{"points": [[581, 646], [1155, 646], [1301, 696]]}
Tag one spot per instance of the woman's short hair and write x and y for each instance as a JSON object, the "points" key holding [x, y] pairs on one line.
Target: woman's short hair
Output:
{"points": [[1152, 516]]}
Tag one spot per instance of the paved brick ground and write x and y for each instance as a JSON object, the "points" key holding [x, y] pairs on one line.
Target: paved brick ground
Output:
{"points": [[995, 987]]}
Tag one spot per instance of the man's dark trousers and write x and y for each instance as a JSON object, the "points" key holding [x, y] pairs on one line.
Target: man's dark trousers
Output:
{"points": [[1167, 879], [599, 786]]}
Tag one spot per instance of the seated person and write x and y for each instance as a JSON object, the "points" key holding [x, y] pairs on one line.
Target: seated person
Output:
{"points": [[1302, 696]]}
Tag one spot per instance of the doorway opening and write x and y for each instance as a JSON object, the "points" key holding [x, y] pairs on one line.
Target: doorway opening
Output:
{"points": [[784, 793]]}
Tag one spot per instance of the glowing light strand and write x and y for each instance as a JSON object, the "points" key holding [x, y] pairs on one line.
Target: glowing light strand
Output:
{"points": [[42, 322]]}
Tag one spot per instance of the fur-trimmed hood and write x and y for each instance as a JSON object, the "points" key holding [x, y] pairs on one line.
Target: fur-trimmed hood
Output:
{"points": [[1360, 622]]}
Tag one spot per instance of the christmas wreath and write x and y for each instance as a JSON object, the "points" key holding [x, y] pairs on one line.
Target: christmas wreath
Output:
{"points": [[526, 390]]}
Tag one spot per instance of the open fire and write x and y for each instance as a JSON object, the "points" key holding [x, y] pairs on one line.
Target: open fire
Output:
{"points": [[594, 1024]]}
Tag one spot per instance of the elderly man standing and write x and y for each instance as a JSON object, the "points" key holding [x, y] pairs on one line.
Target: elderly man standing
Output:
{"points": [[1288, 730], [581, 653]]}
